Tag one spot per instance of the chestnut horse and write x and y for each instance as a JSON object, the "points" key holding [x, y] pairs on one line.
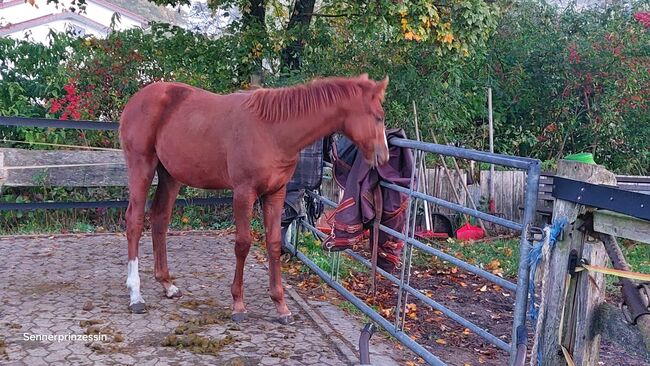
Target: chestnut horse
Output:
{"points": [[248, 142]]}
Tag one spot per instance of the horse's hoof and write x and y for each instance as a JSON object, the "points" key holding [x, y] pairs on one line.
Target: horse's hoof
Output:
{"points": [[173, 292], [239, 317], [138, 308], [285, 319]]}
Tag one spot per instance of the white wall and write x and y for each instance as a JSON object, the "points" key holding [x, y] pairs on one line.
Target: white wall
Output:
{"points": [[40, 33]]}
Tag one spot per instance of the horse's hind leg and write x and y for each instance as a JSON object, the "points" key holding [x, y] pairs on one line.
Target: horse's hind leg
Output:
{"points": [[243, 201], [272, 206], [140, 173], [161, 211]]}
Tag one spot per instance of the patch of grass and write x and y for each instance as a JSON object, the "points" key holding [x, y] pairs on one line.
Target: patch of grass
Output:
{"points": [[638, 257], [350, 308], [506, 252], [311, 247], [491, 256]]}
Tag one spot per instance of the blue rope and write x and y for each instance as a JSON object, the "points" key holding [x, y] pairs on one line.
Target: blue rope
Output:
{"points": [[534, 257]]}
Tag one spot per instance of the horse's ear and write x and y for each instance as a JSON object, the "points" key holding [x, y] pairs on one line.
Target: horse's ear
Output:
{"points": [[380, 89], [363, 76]]}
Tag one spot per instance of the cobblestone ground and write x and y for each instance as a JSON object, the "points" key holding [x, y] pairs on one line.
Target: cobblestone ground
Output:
{"points": [[75, 285]]}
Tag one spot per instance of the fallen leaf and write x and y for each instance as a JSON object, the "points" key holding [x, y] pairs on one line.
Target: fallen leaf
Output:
{"points": [[466, 331], [441, 341], [484, 288], [495, 264], [386, 312]]}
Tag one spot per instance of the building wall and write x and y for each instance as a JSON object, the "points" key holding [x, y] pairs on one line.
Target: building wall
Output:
{"points": [[39, 33], [96, 12]]}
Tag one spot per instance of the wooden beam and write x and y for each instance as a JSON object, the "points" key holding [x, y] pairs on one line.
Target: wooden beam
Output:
{"points": [[622, 226], [574, 312], [23, 168]]}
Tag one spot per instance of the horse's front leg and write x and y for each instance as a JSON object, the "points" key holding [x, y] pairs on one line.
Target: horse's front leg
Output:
{"points": [[243, 201], [272, 207]]}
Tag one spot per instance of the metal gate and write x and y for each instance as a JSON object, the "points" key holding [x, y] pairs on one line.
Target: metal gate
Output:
{"points": [[396, 328]]}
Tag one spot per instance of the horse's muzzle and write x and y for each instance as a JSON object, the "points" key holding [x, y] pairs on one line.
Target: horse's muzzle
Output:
{"points": [[380, 157]]}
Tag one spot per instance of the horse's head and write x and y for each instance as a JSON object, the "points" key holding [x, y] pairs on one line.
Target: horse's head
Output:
{"points": [[364, 122]]}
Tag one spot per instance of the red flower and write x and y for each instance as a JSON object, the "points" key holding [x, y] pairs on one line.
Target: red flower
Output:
{"points": [[574, 56], [55, 106], [643, 17]]}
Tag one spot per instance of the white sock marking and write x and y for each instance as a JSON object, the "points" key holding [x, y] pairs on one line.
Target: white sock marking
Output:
{"points": [[133, 282], [171, 291]]}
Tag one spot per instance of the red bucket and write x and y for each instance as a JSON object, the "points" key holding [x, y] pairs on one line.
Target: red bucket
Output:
{"points": [[469, 232]]}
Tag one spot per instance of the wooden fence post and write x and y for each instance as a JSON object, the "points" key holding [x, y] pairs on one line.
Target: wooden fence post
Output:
{"points": [[569, 306]]}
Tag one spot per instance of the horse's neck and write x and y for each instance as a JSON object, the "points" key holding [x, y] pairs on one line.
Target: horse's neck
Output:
{"points": [[296, 134]]}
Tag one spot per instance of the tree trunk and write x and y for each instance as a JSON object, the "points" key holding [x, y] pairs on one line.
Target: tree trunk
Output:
{"points": [[299, 22], [254, 24]]}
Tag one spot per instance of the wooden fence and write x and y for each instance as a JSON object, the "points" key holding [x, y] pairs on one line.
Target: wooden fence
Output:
{"points": [[25, 168]]}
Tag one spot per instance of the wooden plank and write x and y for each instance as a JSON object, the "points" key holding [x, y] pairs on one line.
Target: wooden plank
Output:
{"points": [[485, 193], [633, 179], [13, 174], [502, 204], [554, 288], [623, 226], [590, 295], [519, 196], [510, 194]]}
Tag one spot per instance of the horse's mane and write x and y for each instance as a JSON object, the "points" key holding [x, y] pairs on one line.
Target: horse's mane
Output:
{"points": [[281, 104]]}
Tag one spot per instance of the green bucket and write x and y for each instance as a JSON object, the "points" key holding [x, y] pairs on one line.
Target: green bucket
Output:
{"points": [[587, 158]]}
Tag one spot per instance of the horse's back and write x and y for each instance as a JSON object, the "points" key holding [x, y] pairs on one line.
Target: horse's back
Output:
{"points": [[149, 108], [192, 132]]}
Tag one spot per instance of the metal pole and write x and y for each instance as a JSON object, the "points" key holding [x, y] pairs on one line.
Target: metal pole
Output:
{"points": [[405, 234], [521, 299], [491, 131], [451, 180], [422, 180], [463, 153], [469, 194]]}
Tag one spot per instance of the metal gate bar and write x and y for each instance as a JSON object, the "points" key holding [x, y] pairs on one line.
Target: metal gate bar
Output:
{"points": [[475, 213], [433, 251], [419, 295], [367, 310], [451, 259]]}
